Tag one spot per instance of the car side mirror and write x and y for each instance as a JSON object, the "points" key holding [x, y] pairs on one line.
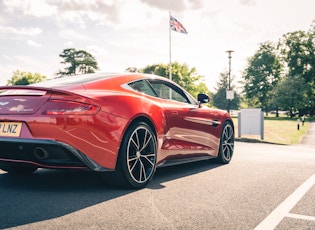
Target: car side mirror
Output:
{"points": [[203, 98]]}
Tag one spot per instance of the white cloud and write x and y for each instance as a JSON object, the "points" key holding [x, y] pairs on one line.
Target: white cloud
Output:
{"points": [[6, 30], [33, 43], [73, 34], [248, 2], [68, 44], [100, 11], [37, 8], [178, 5]]}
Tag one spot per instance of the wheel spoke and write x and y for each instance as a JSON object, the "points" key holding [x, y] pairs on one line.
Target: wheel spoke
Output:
{"points": [[132, 158], [225, 133], [147, 157], [227, 153], [146, 141], [230, 133], [231, 146], [142, 172], [136, 142], [133, 164]]}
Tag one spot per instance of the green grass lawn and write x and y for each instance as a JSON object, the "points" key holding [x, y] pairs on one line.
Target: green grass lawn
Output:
{"points": [[277, 130]]}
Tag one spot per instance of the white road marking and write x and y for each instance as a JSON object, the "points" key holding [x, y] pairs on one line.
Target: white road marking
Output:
{"points": [[301, 217], [275, 217]]}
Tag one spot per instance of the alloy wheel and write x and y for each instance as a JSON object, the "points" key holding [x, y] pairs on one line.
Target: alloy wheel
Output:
{"points": [[227, 142], [141, 154]]}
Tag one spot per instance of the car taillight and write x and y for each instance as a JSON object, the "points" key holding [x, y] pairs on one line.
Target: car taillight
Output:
{"points": [[61, 107]]}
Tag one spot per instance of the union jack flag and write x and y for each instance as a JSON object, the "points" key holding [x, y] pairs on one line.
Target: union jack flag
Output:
{"points": [[177, 26]]}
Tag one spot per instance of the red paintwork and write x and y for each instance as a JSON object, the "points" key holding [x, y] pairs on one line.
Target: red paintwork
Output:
{"points": [[99, 136]]}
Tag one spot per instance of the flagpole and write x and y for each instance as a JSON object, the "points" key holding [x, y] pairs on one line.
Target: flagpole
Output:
{"points": [[170, 49]]}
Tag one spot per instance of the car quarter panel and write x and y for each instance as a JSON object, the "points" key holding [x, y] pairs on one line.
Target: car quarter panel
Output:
{"points": [[130, 107]]}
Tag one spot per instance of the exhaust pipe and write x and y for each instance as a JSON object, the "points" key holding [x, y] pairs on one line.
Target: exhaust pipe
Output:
{"points": [[41, 153]]}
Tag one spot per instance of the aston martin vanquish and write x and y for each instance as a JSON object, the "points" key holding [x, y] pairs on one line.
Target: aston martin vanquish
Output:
{"points": [[123, 126]]}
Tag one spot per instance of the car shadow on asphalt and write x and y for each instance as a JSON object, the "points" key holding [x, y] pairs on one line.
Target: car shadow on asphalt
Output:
{"points": [[49, 194], [170, 173]]}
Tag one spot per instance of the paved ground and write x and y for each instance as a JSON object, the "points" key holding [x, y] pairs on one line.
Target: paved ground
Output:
{"points": [[266, 186], [309, 138]]}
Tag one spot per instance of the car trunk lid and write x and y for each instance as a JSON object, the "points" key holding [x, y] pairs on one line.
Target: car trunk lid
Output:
{"points": [[18, 100]]}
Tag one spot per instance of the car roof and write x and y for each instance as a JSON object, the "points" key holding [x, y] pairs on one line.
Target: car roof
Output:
{"points": [[87, 79]]}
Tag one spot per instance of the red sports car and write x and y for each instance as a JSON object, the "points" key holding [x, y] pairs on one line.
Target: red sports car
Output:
{"points": [[121, 125]]}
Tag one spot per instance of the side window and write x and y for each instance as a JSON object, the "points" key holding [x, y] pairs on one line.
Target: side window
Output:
{"points": [[167, 91], [142, 87]]}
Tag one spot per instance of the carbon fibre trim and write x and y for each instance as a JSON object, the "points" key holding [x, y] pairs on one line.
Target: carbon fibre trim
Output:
{"points": [[22, 142], [203, 121]]}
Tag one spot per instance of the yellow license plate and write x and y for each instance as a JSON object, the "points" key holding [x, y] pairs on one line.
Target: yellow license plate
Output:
{"points": [[10, 129]]}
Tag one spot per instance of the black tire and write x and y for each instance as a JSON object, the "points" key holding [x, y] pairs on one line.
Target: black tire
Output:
{"points": [[226, 147], [19, 170], [136, 162]]}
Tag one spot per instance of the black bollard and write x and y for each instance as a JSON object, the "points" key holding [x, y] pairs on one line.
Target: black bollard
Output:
{"points": [[298, 124]]}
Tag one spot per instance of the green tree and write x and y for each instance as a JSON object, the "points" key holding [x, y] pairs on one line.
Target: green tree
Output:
{"points": [[219, 97], [291, 94], [184, 76], [298, 53], [132, 70], [262, 75], [78, 61], [25, 78]]}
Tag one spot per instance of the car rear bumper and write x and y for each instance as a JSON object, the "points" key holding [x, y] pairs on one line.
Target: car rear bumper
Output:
{"points": [[45, 154]]}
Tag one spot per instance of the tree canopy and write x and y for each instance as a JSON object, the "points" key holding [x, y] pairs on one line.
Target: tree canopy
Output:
{"points": [[291, 94], [77, 61], [219, 98], [298, 54], [262, 75], [184, 76], [282, 75], [25, 78]]}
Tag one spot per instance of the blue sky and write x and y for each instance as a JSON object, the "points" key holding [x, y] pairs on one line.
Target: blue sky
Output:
{"points": [[135, 33]]}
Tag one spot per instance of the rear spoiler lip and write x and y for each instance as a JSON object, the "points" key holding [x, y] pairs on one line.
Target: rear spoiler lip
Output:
{"points": [[22, 87], [45, 91], [51, 91], [29, 87]]}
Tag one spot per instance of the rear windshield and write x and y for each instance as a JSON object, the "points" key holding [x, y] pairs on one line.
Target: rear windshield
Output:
{"points": [[72, 80]]}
